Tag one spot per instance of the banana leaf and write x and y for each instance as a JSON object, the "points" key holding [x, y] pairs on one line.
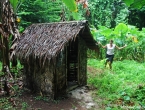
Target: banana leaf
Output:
{"points": [[71, 4], [14, 4]]}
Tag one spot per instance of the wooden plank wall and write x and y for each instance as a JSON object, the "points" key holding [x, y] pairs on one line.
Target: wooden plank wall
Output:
{"points": [[82, 62]]}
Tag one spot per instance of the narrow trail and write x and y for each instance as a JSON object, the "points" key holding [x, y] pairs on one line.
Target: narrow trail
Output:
{"points": [[84, 95]]}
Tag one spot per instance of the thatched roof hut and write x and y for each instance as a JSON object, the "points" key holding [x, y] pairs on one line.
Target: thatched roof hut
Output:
{"points": [[56, 53]]}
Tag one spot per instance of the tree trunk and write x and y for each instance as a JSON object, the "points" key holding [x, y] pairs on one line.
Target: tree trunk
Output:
{"points": [[5, 54], [5, 36], [8, 27]]}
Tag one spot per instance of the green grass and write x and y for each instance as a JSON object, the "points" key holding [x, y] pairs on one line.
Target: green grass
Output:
{"points": [[124, 85]]}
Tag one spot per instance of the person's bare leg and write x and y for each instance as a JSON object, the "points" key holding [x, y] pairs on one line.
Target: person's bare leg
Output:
{"points": [[110, 65], [106, 63]]}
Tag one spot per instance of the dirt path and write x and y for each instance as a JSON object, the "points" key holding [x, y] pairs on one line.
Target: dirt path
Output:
{"points": [[62, 104], [77, 99], [85, 96]]}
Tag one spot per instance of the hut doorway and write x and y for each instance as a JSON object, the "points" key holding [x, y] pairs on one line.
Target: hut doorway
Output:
{"points": [[72, 64]]}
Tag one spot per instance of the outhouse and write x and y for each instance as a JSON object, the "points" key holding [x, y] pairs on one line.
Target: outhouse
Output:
{"points": [[54, 56]]}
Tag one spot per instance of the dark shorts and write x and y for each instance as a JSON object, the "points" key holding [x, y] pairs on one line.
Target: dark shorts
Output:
{"points": [[109, 57]]}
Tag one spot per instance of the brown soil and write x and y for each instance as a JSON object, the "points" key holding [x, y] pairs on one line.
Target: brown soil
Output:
{"points": [[66, 103]]}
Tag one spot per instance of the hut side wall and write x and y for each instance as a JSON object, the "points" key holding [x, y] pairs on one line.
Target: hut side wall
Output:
{"points": [[82, 62], [39, 79], [60, 81]]}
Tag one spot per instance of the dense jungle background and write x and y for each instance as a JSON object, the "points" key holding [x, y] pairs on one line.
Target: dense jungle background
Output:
{"points": [[121, 88]]}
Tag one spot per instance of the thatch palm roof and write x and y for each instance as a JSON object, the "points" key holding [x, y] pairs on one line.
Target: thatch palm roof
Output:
{"points": [[48, 39]]}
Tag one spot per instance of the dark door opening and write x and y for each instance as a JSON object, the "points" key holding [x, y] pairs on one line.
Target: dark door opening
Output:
{"points": [[72, 63]]}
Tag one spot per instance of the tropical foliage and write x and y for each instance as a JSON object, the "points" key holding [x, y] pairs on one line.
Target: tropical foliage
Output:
{"points": [[109, 19], [107, 12], [123, 34], [135, 3], [38, 11], [99, 12]]}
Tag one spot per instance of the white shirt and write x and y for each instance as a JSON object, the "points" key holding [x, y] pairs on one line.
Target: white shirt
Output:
{"points": [[110, 50]]}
